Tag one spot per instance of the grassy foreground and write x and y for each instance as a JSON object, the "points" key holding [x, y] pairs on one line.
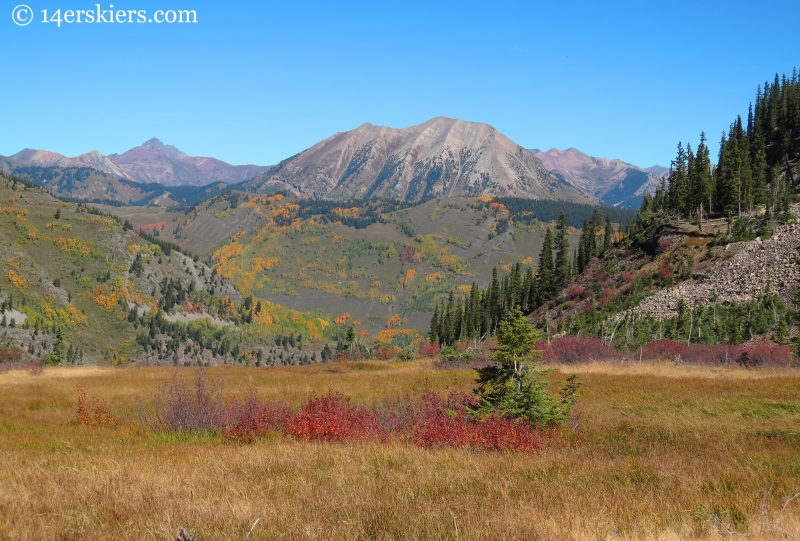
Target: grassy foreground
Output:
{"points": [[661, 452]]}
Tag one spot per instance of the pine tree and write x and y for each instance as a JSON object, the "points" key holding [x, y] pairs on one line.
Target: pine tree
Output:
{"points": [[547, 285], [608, 235], [562, 268], [433, 335]]}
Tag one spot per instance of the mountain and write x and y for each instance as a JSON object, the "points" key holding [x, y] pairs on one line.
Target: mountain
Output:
{"points": [[441, 157], [154, 161], [151, 162], [44, 158], [612, 182], [658, 170]]}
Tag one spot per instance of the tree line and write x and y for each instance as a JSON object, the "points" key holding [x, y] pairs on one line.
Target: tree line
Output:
{"points": [[478, 314], [753, 168]]}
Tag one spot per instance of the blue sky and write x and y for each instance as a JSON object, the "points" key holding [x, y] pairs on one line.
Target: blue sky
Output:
{"points": [[258, 82]]}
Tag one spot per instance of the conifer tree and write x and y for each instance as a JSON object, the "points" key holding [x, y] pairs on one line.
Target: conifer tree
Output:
{"points": [[562, 269], [547, 285]]}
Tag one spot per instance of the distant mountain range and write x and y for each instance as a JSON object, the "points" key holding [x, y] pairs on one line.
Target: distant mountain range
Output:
{"points": [[611, 182], [442, 157], [151, 162]]}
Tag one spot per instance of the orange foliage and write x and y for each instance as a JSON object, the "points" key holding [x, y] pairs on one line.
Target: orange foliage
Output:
{"points": [[434, 277], [395, 321], [386, 336], [74, 245], [149, 228], [527, 261], [409, 276], [16, 280], [346, 213], [14, 210], [264, 263], [342, 319], [105, 299]]}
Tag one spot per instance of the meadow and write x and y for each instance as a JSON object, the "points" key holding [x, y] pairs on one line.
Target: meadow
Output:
{"points": [[655, 451]]}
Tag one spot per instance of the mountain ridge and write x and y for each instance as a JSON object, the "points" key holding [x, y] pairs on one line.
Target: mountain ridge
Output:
{"points": [[611, 181], [440, 157], [150, 162]]}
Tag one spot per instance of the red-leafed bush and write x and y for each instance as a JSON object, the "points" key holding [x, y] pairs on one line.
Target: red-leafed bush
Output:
{"points": [[628, 277], [765, 354], [426, 349], [249, 419], [385, 353], [606, 296], [332, 417], [662, 246], [9, 353], [664, 271], [447, 423], [663, 349], [575, 293], [572, 349]]}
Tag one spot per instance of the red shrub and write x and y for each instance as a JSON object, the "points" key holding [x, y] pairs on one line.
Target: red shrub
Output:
{"points": [[426, 349], [385, 353], [332, 418], [250, 419], [9, 354], [765, 354], [664, 271], [575, 292], [662, 246], [663, 349], [606, 296], [628, 277], [446, 423], [599, 276], [572, 349]]}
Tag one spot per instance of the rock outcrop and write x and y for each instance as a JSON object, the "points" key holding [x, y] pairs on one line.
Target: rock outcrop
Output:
{"points": [[743, 276]]}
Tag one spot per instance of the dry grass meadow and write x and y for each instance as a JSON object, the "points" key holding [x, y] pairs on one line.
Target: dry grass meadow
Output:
{"points": [[660, 452]]}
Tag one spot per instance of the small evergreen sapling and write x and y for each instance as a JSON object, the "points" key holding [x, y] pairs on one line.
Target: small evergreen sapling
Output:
{"points": [[514, 386]]}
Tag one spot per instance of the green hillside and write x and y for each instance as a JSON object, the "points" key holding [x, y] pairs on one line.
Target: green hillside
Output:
{"points": [[373, 260], [85, 286]]}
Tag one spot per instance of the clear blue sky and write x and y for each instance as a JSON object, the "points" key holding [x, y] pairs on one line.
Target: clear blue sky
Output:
{"points": [[258, 82]]}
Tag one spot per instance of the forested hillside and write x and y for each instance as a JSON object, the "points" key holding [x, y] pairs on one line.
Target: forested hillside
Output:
{"points": [[711, 259]]}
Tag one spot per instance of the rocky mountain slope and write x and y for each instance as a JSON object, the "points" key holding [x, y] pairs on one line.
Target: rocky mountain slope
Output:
{"points": [[151, 162], [441, 157], [746, 271], [610, 181]]}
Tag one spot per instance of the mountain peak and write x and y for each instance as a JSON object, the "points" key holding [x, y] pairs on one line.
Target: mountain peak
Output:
{"points": [[169, 150]]}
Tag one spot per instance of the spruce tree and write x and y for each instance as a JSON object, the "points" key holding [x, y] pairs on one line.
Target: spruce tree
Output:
{"points": [[608, 236], [547, 285], [562, 268]]}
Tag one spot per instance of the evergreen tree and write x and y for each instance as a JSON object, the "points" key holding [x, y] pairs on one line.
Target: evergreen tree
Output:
{"points": [[700, 177], [513, 385], [608, 236], [562, 268], [547, 285]]}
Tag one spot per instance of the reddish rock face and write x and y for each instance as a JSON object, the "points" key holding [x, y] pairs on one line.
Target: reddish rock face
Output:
{"points": [[441, 157]]}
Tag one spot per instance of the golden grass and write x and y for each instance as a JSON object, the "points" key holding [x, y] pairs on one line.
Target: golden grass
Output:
{"points": [[661, 452]]}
